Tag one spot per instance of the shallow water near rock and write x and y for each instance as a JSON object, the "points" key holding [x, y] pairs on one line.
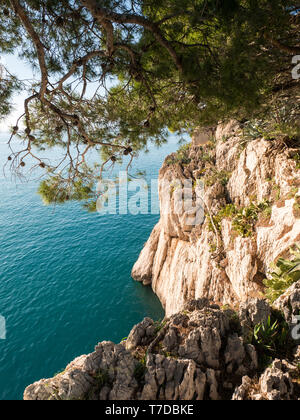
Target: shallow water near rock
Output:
{"points": [[65, 278]]}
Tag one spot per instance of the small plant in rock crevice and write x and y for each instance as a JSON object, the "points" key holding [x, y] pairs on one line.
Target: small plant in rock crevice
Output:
{"points": [[181, 156], [296, 208], [140, 370], [292, 193], [217, 176], [272, 339], [296, 158], [284, 273], [159, 325], [243, 219], [101, 378]]}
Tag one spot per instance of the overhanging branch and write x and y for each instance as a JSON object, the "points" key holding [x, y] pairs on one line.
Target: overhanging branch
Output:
{"points": [[102, 14], [20, 11]]}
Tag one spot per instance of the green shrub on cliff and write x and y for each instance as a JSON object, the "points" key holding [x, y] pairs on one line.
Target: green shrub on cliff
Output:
{"points": [[216, 176], [181, 156], [272, 339], [283, 123], [243, 219], [284, 273], [296, 158], [141, 369]]}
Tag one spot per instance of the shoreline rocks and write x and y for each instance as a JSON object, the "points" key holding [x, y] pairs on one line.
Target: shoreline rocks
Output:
{"points": [[199, 353]]}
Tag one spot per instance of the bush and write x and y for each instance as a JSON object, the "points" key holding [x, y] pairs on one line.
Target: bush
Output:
{"points": [[272, 339], [217, 176], [244, 219], [101, 378], [140, 370], [281, 122], [285, 273], [296, 158]]}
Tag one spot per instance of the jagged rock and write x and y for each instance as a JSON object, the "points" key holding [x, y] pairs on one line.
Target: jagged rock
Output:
{"points": [[253, 356], [197, 304], [72, 384], [170, 342], [289, 302], [227, 130], [181, 261], [212, 379], [202, 135], [172, 379], [253, 312], [274, 384], [110, 366], [241, 393], [141, 335], [195, 355], [235, 351]]}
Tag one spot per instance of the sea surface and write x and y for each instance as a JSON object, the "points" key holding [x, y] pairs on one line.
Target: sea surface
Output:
{"points": [[65, 281]]}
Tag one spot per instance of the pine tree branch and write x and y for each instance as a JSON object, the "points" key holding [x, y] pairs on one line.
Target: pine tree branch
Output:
{"points": [[20, 11], [102, 14]]}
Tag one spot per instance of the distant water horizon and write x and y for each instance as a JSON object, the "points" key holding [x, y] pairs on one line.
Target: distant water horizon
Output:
{"points": [[65, 281]]}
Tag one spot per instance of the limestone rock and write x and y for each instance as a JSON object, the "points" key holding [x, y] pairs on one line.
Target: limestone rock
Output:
{"points": [[274, 384], [289, 302], [141, 335], [254, 311], [110, 366], [195, 355], [241, 392], [172, 379], [184, 262]]}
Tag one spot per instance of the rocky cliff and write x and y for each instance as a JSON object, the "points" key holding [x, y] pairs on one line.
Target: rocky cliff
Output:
{"points": [[251, 203], [220, 339], [200, 353]]}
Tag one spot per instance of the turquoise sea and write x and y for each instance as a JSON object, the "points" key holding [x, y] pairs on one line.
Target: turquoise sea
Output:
{"points": [[65, 279]]}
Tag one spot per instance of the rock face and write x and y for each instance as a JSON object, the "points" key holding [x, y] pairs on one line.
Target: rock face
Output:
{"points": [[275, 384], [183, 260], [200, 353], [289, 302], [196, 354]]}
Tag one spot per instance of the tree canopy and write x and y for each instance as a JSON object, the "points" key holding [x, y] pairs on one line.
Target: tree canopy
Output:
{"points": [[118, 74]]}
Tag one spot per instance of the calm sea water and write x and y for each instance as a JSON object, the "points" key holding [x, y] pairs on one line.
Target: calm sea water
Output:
{"points": [[65, 279]]}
